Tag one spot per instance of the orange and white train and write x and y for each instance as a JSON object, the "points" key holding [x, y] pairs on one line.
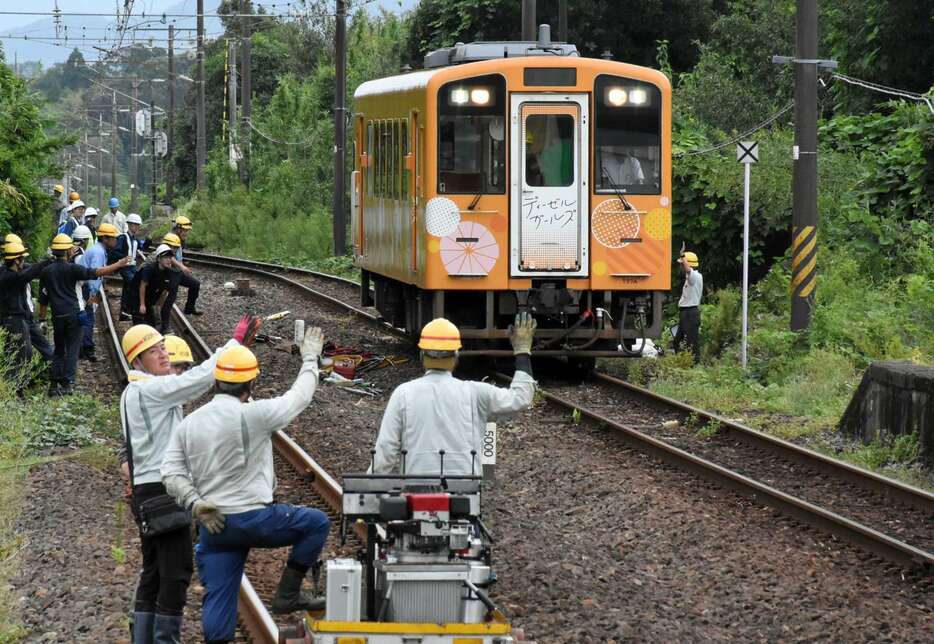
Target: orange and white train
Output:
{"points": [[510, 177]]}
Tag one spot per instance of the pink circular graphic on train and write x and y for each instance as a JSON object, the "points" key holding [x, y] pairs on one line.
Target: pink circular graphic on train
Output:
{"points": [[469, 250]]}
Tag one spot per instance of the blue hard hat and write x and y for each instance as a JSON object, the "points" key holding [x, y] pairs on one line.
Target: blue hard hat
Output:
{"points": [[114, 202]]}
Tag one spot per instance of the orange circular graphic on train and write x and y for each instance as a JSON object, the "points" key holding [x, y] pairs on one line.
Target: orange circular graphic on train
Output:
{"points": [[613, 225], [657, 224]]}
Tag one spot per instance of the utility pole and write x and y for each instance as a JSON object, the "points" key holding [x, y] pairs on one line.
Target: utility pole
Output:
{"points": [[84, 186], [201, 151], [113, 149], [246, 103], [563, 20], [340, 123], [134, 152], [232, 100], [528, 20], [170, 123], [100, 165], [804, 217], [152, 151]]}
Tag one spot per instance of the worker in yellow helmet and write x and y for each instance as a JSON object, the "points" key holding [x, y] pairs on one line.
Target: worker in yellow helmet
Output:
{"points": [[16, 313], [183, 277], [439, 412], [95, 257], [689, 317], [151, 411], [58, 205], [180, 357], [219, 463], [59, 282]]}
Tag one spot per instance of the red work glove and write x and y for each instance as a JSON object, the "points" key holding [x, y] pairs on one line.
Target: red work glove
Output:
{"points": [[247, 329]]}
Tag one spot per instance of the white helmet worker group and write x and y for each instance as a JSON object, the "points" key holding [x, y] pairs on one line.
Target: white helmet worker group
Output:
{"points": [[217, 462]]}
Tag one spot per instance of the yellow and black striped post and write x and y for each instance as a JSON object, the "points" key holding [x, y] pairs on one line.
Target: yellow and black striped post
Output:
{"points": [[803, 268]]}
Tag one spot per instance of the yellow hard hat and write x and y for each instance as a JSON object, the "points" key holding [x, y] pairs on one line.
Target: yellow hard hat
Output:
{"points": [[137, 339], [172, 240], [107, 230], [178, 349], [236, 364], [440, 335], [13, 250], [59, 188], [691, 258], [12, 237], [183, 222], [74, 196], [61, 241]]}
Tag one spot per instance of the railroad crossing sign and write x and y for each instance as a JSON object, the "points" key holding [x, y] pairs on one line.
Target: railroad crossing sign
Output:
{"points": [[747, 151]]}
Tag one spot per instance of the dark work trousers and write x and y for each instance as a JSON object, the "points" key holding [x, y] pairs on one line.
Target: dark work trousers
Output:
{"points": [[19, 345], [68, 335], [193, 286], [87, 326], [127, 273], [167, 563], [689, 330], [39, 342]]}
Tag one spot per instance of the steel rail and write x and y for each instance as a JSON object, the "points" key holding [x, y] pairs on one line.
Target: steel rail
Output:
{"points": [[890, 488], [201, 256], [248, 267], [856, 533]]}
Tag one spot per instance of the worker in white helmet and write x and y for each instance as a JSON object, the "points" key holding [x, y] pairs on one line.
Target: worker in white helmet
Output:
{"points": [[439, 413], [127, 246], [75, 218]]}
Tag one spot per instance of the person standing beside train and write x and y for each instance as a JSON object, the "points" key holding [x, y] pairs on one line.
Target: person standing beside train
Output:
{"points": [[689, 317]]}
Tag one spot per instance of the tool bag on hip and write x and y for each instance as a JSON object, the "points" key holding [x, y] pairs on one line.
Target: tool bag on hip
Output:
{"points": [[160, 513]]}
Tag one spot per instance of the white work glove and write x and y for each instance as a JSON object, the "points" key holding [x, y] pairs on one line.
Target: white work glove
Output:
{"points": [[312, 344], [209, 516]]}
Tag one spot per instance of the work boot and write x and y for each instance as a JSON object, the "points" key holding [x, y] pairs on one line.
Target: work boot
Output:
{"points": [[167, 629], [142, 627], [289, 596], [193, 312]]}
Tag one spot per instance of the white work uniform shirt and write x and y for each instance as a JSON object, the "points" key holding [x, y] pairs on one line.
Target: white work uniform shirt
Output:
{"points": [[152, 407], [222, 452], [438, 411], [118, 219], [692, 290]]}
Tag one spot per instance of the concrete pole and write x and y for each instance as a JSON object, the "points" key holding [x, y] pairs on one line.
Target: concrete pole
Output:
{"points": [[528, 21], [340, 124], [232, 97], [113, 149], [152, 152], [170, 124], [246, 103], [804, 218], [134, 151], [201, 144]]}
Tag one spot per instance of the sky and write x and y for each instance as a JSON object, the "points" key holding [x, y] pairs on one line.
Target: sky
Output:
{"points": [[86, 31]]}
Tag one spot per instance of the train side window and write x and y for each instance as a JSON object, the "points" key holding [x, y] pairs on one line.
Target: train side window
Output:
{"points": [[627, 136], [396, 167], [471, 136], [378, 161], [371, 157], [404, 151], [383, 157]]}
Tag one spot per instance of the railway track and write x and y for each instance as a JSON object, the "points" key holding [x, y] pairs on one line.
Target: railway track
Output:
{"points": [[255, 618], [885, 517]]}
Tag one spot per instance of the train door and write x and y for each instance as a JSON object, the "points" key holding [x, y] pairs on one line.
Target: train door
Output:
{"points": [[362, 148], [549, 206]]}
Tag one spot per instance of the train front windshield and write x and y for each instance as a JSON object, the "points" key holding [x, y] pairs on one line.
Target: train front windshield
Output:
{"points": [[627, 128], [472, 136]]}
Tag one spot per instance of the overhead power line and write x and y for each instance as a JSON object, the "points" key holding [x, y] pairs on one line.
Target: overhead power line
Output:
{"points": [[882, 89], [771, 119]]}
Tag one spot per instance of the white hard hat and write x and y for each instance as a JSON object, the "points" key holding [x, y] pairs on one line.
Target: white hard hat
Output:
{"points": [[133, 218], [77, 204], [90, 212], [81, 232], [164, 248]]}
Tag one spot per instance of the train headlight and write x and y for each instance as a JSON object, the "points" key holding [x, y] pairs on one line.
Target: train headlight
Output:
{"points": [[638, 96], [460, 96], [616, 96], [480, 96]]}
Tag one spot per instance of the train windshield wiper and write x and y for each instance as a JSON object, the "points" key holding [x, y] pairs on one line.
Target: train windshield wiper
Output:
{"points": [[616, 189]]}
